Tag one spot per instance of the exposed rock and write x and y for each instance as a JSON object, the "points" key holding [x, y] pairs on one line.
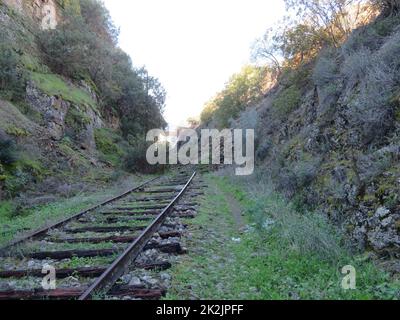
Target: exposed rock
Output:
{"points": [[135, 281], [54, 112]]}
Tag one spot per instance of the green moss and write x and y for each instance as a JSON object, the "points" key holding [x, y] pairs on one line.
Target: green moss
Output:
{"points": [[54, 85], [369, 198], [107, 142], [76, 119], [32, 166], [76, 158], [11, 117], [17, 132]]}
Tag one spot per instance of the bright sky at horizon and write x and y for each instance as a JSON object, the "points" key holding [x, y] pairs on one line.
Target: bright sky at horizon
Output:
{"points": [[192, 46]]}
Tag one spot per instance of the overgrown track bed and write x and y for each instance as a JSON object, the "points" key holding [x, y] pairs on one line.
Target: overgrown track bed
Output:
{"points": [[93, 252]]}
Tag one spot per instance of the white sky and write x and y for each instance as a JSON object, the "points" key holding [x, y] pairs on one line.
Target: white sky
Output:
{"points": [[192, 46]]}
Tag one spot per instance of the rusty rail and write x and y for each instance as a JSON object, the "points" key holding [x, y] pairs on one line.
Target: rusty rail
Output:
{"points": [[106, 281]]}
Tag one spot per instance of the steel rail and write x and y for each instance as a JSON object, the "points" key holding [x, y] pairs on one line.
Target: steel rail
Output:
{"points": [[60, 223], [106, 281]]}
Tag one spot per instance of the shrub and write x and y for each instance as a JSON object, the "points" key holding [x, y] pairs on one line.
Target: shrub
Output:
{"points": [[17, 181], [109, 144], [248, 120], [7, 151], [76, 119], [306, 171], [356, 65], [17, 132], [325, 71], [12, 80], [263, 150], [136, 161], [287, 101], [374, 114]]}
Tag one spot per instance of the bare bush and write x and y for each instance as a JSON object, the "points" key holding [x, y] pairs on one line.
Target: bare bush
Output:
{"points": [[378, 75], [306, 171], [390, 52], [248, 120], [326, 69], [356, 65]]}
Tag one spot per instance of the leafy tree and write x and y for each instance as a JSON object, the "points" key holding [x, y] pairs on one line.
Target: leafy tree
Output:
{"points": [[243, 89], [67, 48], [301, 43], [267, 48], [209, 111], [316, 24], [99, 21], [337, 18], [85, 47]]}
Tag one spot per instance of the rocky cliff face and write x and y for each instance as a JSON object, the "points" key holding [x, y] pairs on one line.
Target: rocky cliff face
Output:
{"points": [[47, 13], [329, 135], [54, 132], [55, 112]]}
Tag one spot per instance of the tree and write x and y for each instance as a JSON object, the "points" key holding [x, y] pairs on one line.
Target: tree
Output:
{"points": [[242, 90], [68, 47], [301, 43], [267, 48], [316, 24], [84, 46], [99, 20], [335, 17]]}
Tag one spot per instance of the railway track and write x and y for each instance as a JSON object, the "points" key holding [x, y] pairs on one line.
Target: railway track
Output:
{"points": [[92, 251]]}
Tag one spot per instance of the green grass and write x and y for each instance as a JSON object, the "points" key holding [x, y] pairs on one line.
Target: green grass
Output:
{"points": [[266, 264], [53, 85], [6, 210], [76, 262], [11, 224], [38, 246], [107, 142], [287, 101]]}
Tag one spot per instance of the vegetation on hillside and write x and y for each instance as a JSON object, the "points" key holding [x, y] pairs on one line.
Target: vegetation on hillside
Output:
{"points": [[84, 47], [72, 104], [243, 89], [327, 132], [296, 41]]}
